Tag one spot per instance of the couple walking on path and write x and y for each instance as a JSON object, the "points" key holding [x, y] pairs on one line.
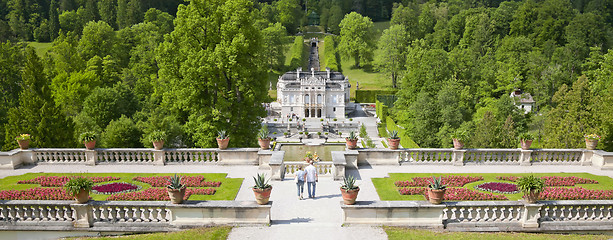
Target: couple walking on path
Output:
{"points": [[309, 174]]}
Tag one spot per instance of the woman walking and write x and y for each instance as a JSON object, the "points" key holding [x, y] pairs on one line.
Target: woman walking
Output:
{"points": [[300, 181]]}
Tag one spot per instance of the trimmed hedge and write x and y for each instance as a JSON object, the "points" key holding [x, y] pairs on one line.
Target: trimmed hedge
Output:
{"points": [[370, 96], [382, 111], [296, 53], [330, 54], [405, 140]]}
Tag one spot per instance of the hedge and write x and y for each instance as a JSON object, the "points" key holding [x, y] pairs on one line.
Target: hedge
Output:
{"points": [[370, 96], [296, 52], [330, 54], [405, 140], [381, 110]]}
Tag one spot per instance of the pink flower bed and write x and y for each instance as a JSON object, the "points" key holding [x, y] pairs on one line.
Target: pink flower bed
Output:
{"points": [[498, 187], [117, 187], [576, 193], [454, 194], [59, 181], [157, 194], [188, 181], [450, 181], [36, 194], [555, 181]]}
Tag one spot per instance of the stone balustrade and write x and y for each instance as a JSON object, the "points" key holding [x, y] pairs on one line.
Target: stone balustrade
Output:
{"points": [[545, 216], [127, 216]]}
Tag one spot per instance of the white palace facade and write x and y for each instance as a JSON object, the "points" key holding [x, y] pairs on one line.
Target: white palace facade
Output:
{"points": [[314, 94]]}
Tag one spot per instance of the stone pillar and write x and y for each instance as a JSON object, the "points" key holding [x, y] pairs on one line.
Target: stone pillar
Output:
{"points": [[339, 162], [531, 215], [83, 213], [277, 167], [27, 157], [264, 159], [525, 157], [90, 157], [458, 157], [351, 158], [586, 157], [159, 157]]}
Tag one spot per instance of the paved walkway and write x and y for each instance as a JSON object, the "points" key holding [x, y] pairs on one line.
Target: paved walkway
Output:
{"points": [[318, 218]]}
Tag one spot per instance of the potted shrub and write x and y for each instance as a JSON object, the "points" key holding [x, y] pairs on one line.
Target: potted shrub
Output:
{"points": [[394, 140], [23, 140], [591, 140], [157, 137], [352, 140], [436, 190], [79, 188], [261, 189], [349, 190], [531, 186], [285, 134], [321, 119], [526, 140], [334, 119], [304, 119], [176, 190], [263, 138], [459, 138], [306, 134], [89, 139], [222, 139]]}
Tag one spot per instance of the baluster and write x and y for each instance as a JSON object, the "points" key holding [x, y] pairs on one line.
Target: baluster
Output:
{"points": [[5, 213], [98, 212], [494, 216], [163, 214], [503, 216], [478, 216], [122, 214], [36, 213], [600, 216], [462, 214], [112, 214], [135, 214], [453, 213], [20, 213], [28, 213]]}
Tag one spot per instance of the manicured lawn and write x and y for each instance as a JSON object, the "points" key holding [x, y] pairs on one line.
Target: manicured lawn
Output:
{"points": [[389, 192], [41, 48], [396, 233], [227, 191], [212, 233]]}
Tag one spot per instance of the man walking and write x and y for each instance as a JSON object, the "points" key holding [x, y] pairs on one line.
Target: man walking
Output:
{"points": [[311, 177]]}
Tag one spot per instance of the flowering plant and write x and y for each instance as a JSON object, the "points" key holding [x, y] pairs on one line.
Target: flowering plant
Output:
{"points": [[592, 136], [498, 187], [116, 187], [23, 137], [311, 156]]}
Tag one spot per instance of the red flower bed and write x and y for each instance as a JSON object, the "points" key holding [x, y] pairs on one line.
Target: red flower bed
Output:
{"points": [[455, 194], [576, 193], [188, 181], [115, 188], [498, 187], [36, 194], [157, 194], [555, 181], [59, 181], [450, 181]]}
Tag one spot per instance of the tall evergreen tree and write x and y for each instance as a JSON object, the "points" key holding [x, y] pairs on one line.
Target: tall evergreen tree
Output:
{"points": [[54, 20]]}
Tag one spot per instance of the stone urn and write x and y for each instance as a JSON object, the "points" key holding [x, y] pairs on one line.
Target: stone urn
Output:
{"points": [[458, 144], [90, 145], [532, 196], [590, 144], [393, 143], [264, 143], [82, 196], [24, 144], [223, 143], [158, 145], [351, 144], [436, 196], [262, 195], [349, 196], [525, 144], [176, 195]]}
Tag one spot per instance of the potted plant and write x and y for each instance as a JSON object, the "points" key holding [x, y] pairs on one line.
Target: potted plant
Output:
{"points": [[459, 138], [531, 186], [176, 190], [261, 189], [79, 188], [436, 190], [23, 140], [334, 119], [591, 140], [349, 190], [393, 140], [263, 138], [89, 139], [352, 140], [526, 140], [285, 134], [223, 139], [157, 137]]}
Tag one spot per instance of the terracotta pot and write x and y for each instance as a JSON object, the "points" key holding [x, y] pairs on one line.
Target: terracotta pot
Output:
{"points": [[90, 145], [393, 143], [590, 144], [176, 195], [158, 145], [531, 197], [436, 196], [349, 196], [351, 144], [24, 144], [264, 143], [223, 143], [525, 144], [262, 195], [457, 144], [82, 196]]}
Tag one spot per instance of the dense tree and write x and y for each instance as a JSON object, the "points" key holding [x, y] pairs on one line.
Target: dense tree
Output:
{"points": [[356, 38], [289, 14], [273, 37], [121, 133], [97, 40], [54, 19], [392, 45], [11, 59], [108, 12]]}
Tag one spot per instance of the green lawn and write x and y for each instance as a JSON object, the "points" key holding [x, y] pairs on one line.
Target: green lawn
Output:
{"points": [[389, 192], [227, 191], [397, 233], [210, 233], [41, 48]]}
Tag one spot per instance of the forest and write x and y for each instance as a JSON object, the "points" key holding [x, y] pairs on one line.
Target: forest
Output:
{"points": [[124, 68]]}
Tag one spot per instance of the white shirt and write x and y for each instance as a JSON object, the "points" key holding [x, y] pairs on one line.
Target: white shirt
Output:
{"points": [[311, 173]]}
